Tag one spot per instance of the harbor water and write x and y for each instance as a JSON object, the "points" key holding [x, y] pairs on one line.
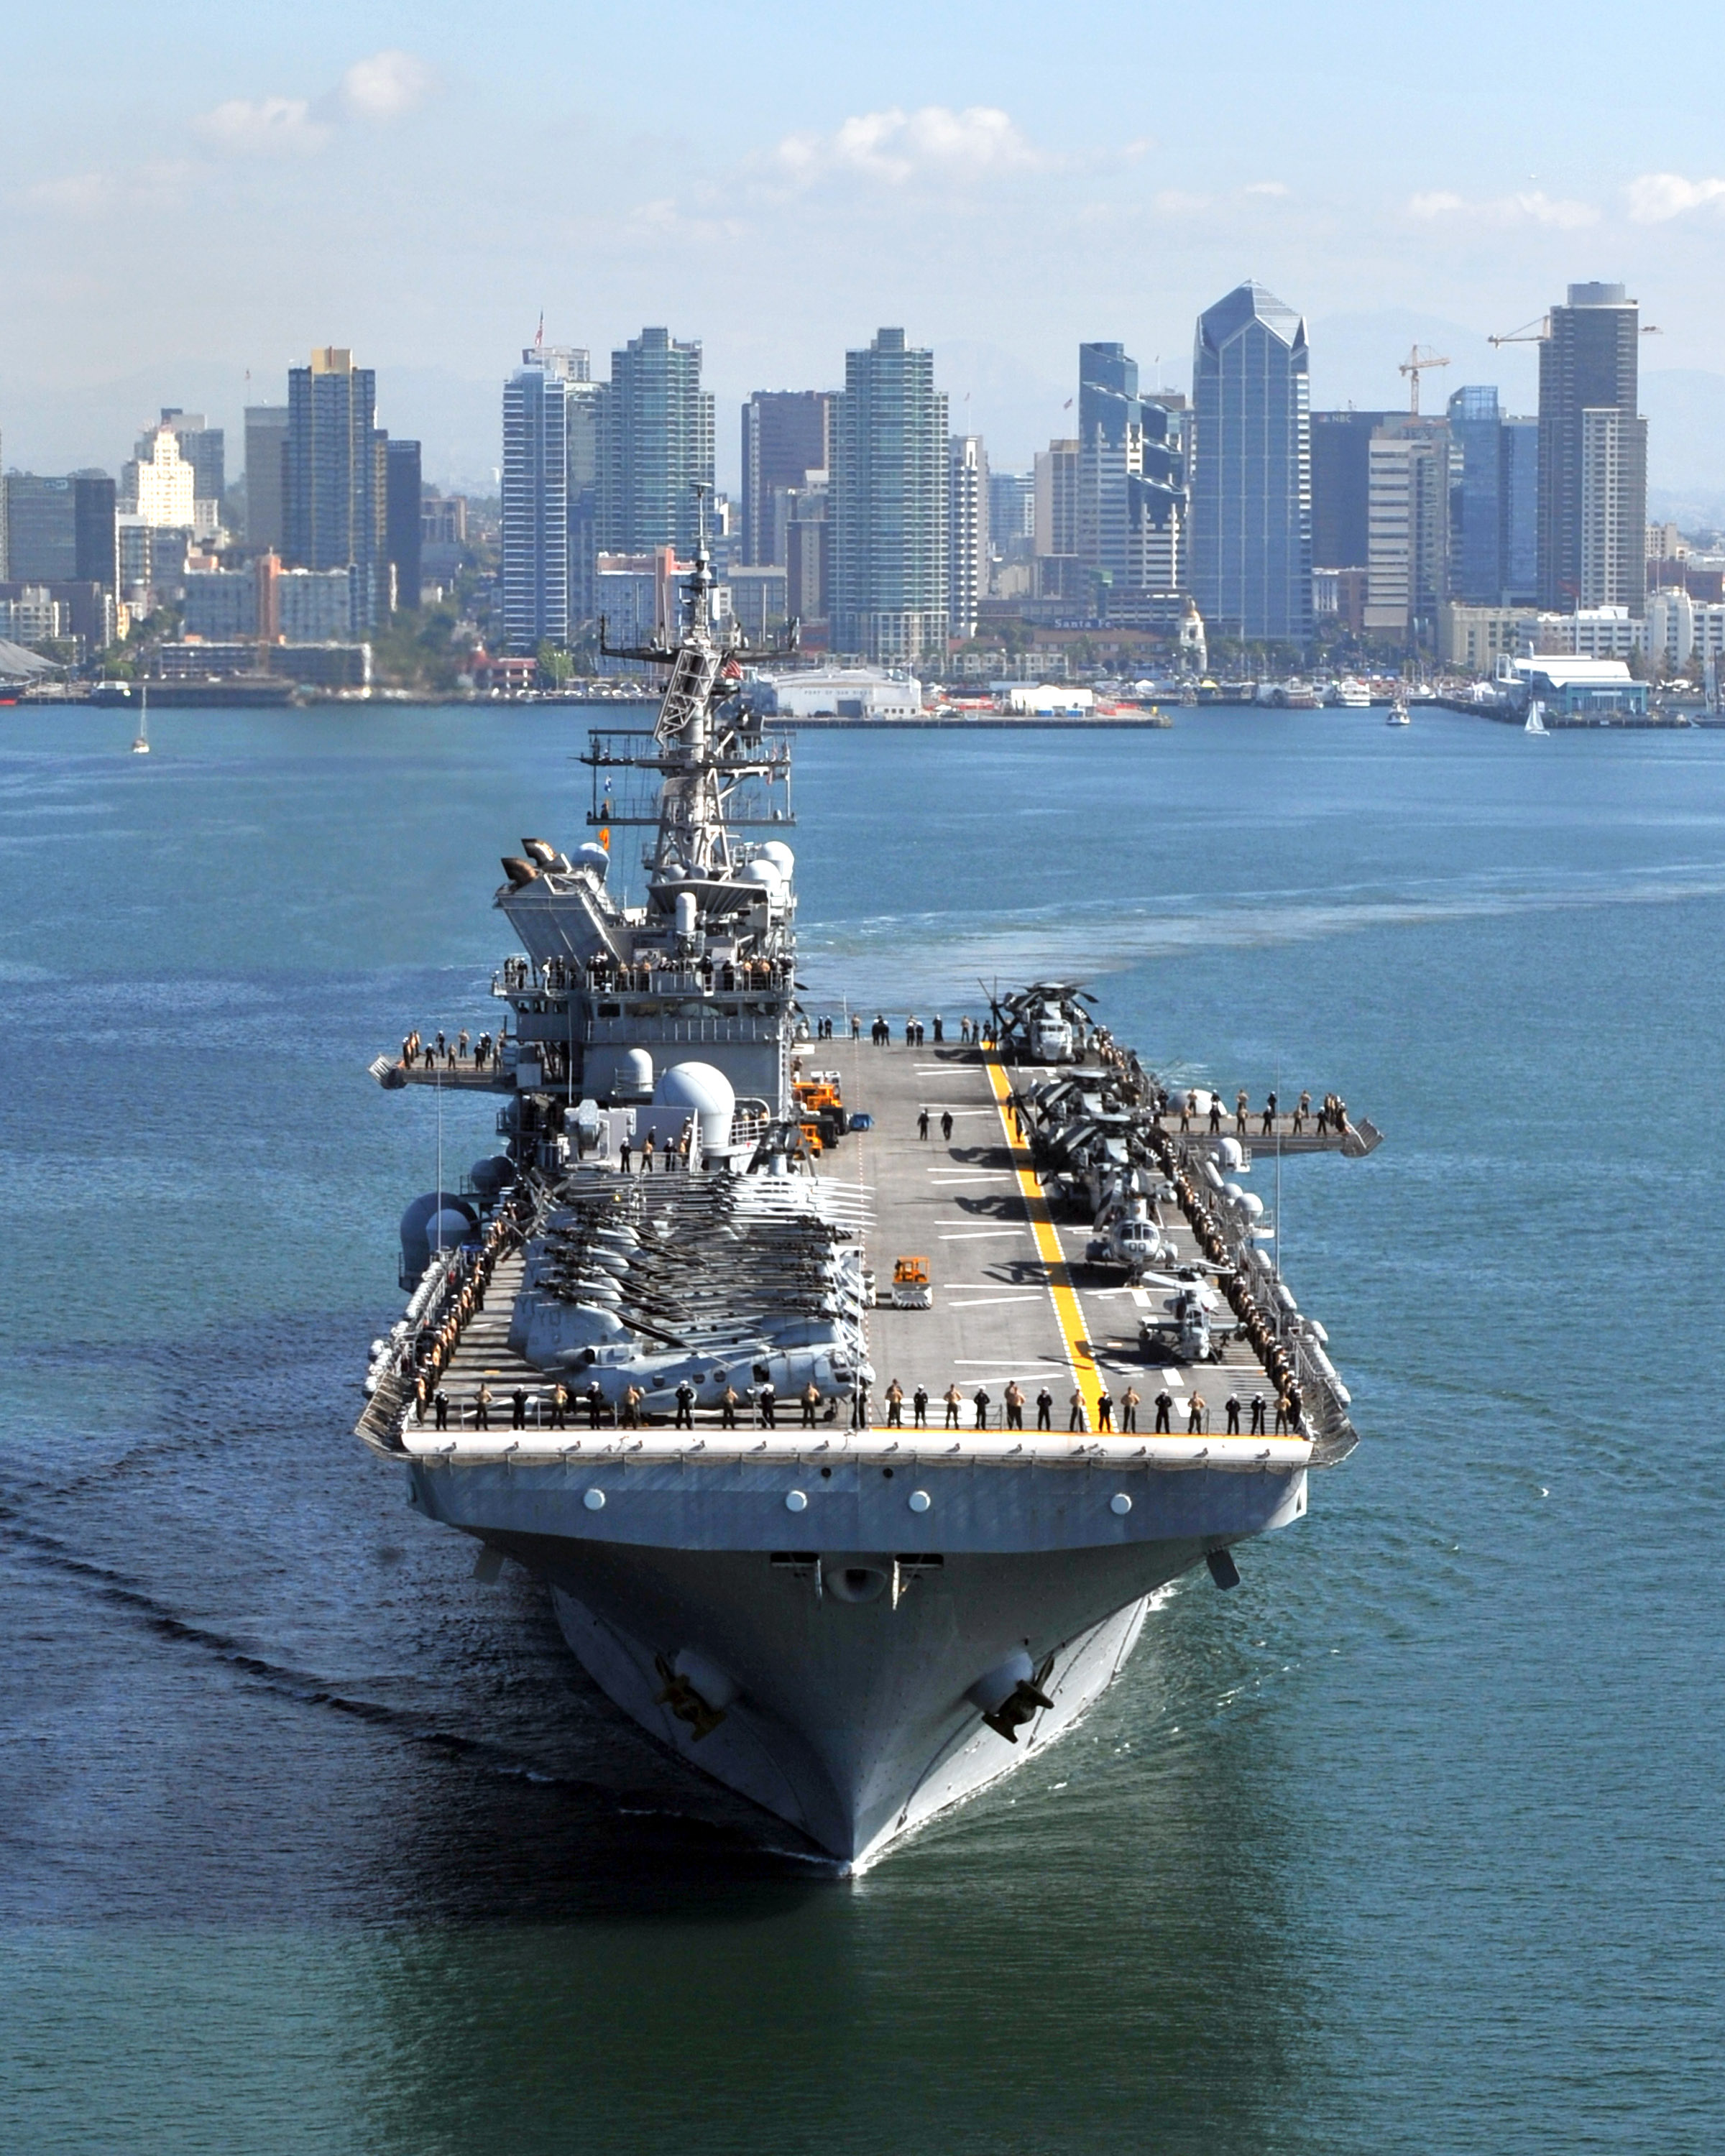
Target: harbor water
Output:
{"points": [[312, 1843]]}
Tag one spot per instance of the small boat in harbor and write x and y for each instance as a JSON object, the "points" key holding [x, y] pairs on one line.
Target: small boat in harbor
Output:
{"points": [[1536, 721], [140, 739], [1398, 711]]}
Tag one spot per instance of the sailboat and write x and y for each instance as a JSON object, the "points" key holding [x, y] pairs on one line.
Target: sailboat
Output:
{"points": [[140, 739], [1536, 721]]}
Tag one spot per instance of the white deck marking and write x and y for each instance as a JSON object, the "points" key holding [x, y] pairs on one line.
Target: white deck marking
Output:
{"points": [[981, 1234], [984, 1302]]}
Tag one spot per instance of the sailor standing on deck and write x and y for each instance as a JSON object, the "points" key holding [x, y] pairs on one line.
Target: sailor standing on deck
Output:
{"points": [[811, 1401], [1079, 1418], [1014, 1404], [919, 1407], [982, 1403], [922, 1122], [954, 1399], [1044, 1408], [895, 1405], [945, 1123], [1129, 1409], [1164, 1409], [1105, 1409], [686, 1406]]}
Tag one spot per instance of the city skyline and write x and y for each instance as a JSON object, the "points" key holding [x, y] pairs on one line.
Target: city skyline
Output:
{"points": [[917, 172]]}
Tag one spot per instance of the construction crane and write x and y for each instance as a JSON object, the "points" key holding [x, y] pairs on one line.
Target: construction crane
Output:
{"points": [[1414, 366], [1539, 332], [1535, 332]]}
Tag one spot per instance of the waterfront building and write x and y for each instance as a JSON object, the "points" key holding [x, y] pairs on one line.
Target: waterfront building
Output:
{"points": [[655, 446], [1250, 548], [220, 605], [1520, 452], [890, 500], [967, 532], [535, 569], [1681, 628], [786, 433], [266, 427], [847, 692], [1477, 496], [1593, 473], [332, 508], [402, 489], [1012, 516], [317, 606]]}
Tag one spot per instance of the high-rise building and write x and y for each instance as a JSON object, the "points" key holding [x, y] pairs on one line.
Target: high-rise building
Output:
{"points": [[205, 449], [1110, 445], [1156, 503], [655, 446], [808, 559], [332, 510], [1593, 478], [1408, 548], [1251, 469], [536, 507], [890, 500], [1055, 484], [265, 447], [1342, 486], [1011, 515], [967, 531], [786, 433], [1520, 453], [159, 486], [60, 531], [402, 492], [1493, 501], [1614, 508], [1477, 496]]}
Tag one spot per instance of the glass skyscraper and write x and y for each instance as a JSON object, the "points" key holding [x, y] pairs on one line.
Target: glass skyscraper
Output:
{"points": [[536, 505], [1251, 469], [889, 506], [656, 446], [1593, 454]]}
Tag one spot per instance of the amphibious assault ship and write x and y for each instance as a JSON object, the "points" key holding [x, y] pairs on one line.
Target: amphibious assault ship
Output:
{"points": [[655, 1343]]}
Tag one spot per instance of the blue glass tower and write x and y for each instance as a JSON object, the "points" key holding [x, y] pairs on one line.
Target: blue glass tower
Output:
{"points": [[1251, 469]]}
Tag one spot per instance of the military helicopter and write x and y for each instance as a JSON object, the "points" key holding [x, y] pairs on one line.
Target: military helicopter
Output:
{"points": [[1191, 1305], [1131, 1237], [1046, 1023]]}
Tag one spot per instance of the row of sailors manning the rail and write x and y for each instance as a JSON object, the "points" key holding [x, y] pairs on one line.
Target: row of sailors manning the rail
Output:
{"points": [[552, 1409], [1332, 1116], [605, 975]]}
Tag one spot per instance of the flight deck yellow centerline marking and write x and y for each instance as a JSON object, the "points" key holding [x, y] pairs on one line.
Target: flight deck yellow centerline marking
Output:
{"points": [[1068, 1315]]}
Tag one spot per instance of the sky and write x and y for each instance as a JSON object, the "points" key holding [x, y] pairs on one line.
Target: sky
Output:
{"points": [[194, 194]]}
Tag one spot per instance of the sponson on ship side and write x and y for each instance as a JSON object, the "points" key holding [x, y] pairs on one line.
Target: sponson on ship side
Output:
{"points": [[659, 1388]]}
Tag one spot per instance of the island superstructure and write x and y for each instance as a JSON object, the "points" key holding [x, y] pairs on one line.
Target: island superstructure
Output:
{"points": [[664, 1348]]}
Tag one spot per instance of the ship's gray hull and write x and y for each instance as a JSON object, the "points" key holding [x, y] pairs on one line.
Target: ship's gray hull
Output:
{"points": [[855, 1719]]}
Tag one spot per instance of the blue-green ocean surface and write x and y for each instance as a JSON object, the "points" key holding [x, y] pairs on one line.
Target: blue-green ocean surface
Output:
{"points": [[308, 1843]]}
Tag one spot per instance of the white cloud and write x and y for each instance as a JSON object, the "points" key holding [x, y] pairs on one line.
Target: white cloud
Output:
{"points": [[385, 86], [1566, 216], [376, 90], [934, 142], [1657, 196], [263, 127], [1267, 187]]}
